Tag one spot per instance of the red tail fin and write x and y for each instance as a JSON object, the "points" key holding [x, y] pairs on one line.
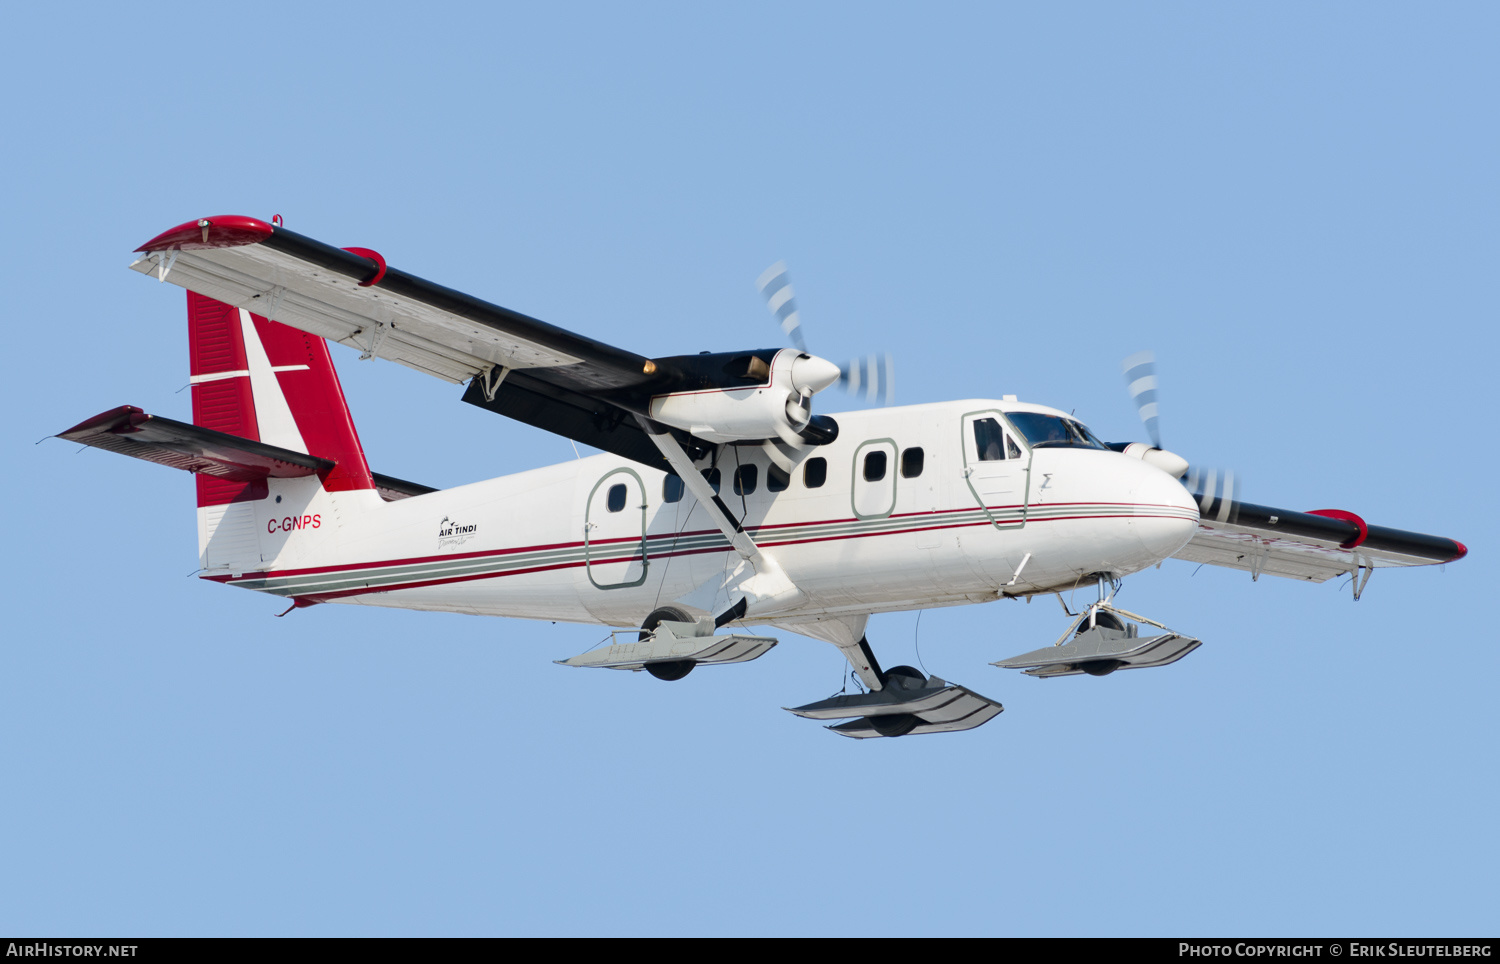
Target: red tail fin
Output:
{"points": [[265, 381]]}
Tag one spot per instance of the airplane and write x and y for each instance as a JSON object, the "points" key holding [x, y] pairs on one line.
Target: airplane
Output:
{"points": [[720, 500]]}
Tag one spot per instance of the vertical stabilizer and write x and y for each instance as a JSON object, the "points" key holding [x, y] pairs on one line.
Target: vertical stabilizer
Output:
{"points": [[270, 383]]}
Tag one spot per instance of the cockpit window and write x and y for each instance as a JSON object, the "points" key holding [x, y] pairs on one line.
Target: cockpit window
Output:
{"points": [[1049, 431]]}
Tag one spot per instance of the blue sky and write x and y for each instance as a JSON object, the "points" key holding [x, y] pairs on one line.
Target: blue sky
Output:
{"points": [[1294, 205]]}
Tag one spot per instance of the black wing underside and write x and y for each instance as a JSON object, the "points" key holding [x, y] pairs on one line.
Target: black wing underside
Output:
{"points": [[587, 419]]}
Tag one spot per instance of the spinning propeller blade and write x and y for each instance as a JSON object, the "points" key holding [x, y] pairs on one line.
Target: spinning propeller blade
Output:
{"points": [[1140, 377], [1212, 484], [874, 376], [775, 285], [1216, 489], [1218, 493]]}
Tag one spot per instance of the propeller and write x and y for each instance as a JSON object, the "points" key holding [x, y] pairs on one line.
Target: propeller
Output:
{"points": [[873, 376], [1140, 379], [1217, 490]]}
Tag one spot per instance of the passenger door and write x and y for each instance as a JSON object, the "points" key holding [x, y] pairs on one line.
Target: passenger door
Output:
{"points": [[614, 531]]}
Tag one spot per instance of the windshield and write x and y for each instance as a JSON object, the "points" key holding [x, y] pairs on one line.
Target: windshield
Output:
{"points": [[1048, 430]]}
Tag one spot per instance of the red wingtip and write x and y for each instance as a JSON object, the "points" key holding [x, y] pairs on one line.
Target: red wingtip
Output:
{"points": [[225, 231], [1463, 550], [107, 421]]}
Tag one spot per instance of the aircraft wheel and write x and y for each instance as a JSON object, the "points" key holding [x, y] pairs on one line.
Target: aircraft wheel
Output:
{"points": [[896, 724], [1103, 620], [910, 675], [1100, 667], [671, 669]]}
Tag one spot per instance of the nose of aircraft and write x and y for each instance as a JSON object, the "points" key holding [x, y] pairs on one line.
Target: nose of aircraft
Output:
{"points": [[1166, 514]]}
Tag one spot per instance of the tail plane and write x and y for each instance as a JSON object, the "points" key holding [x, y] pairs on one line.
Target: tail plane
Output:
{"points": [[272, 442]]}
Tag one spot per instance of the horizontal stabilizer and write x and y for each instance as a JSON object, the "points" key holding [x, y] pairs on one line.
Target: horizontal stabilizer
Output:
{"points": [[129, 431], [676, 642], [1103, 650], [906, 706]]}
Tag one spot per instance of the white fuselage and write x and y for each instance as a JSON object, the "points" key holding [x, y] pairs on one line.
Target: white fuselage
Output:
{"points": [[597, 541]]}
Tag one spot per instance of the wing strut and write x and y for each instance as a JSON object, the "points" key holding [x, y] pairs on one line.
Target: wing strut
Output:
{"points": [[490, 379], [761, 583]]}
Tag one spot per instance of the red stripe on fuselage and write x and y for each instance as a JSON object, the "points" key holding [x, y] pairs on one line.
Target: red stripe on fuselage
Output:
{"points": [[664, 553]]}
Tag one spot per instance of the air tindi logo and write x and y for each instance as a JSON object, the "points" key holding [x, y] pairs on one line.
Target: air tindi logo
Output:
{"points": [[453, 533]]}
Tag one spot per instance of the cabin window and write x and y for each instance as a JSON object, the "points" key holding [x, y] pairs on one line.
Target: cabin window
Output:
{"points": [[744, 479], [672, 489], [776, 479], [816, 472], [874, 466], [616, 500], [989, 440], [911, 462], [712, 477]]}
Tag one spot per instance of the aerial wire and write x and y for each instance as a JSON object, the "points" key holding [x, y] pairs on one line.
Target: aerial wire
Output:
{"points": [[916, 640]]}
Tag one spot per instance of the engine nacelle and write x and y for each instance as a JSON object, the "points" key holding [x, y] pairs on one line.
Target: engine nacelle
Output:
{"points": [[774, 403], [1169, 462]]}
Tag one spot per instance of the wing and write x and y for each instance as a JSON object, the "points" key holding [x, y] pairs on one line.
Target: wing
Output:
{"points": [[521, 367], [352, 297], [1306, 545]]}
